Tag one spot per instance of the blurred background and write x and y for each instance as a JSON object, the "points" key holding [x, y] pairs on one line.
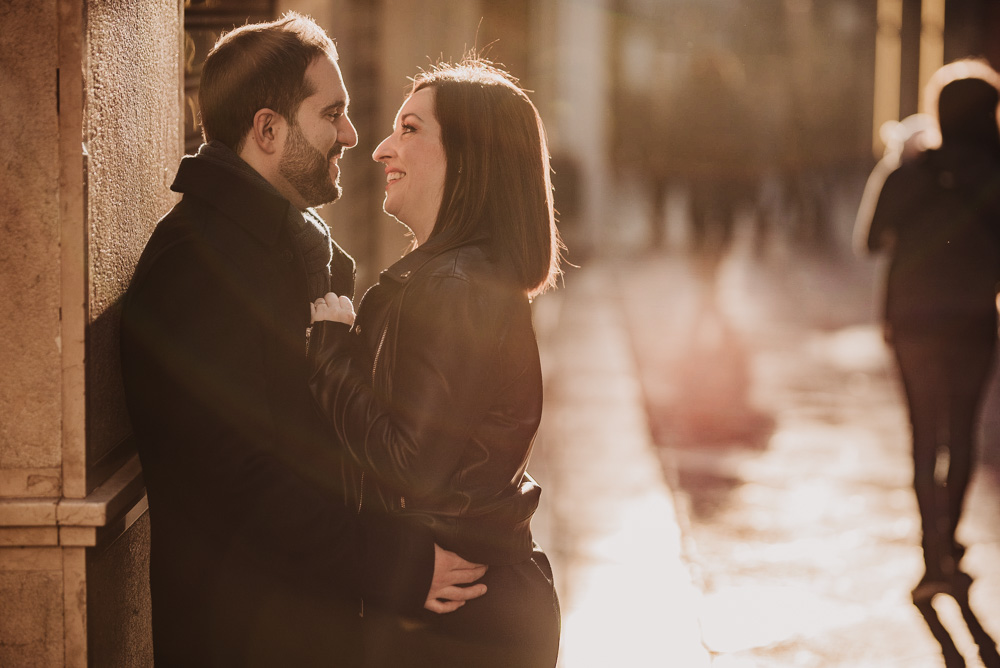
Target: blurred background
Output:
{"points": [[724, 450], [640, 97]]}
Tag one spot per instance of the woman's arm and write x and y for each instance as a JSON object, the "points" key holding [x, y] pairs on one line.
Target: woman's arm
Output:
{"points": [[442, 356]]}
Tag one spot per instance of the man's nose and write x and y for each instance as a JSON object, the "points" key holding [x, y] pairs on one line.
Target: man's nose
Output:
{"points": [[348, 137]]}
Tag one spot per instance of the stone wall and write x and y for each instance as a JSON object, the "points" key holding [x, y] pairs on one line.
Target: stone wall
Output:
{"points": [[92, 92], [30, 290], [132, 136]]}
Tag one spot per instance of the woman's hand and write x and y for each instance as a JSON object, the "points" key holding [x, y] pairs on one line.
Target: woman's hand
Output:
{"points": [[332, 308]]}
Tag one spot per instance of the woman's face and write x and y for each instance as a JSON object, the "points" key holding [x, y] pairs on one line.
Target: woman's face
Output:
{"points": [[415, 164]]}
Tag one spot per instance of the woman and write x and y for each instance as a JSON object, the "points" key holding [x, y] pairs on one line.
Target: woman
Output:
{"points": [[938, 215], [436, 391]]}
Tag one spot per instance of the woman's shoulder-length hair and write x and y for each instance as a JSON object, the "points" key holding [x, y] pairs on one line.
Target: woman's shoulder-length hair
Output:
{"points": [[497, 182]]}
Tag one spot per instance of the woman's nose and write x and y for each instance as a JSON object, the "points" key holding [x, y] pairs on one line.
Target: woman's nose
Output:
{"points": [[381, 151]]}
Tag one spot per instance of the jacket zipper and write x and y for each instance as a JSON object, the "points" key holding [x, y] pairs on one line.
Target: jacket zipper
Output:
{"points": [[361, 492], [378, 352]]}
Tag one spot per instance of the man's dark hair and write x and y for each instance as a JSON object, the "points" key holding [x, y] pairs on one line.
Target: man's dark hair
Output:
{"points": [[258, 66], [497, 182]]}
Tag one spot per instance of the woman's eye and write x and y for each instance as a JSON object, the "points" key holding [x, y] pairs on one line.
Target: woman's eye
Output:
{"points": [[407, 129]]}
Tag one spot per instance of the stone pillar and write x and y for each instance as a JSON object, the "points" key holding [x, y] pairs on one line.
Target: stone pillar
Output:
{"points": [[92, 95]]}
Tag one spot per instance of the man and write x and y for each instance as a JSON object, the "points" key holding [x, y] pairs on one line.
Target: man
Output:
{"points": [[255, 560]]}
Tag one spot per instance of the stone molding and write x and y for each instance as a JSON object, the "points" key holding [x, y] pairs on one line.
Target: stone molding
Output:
{"points": [[97, 519]]}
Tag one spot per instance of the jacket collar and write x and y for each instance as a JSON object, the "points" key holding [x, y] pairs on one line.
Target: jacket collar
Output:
{"points": [[406, 267], [261, 213]]}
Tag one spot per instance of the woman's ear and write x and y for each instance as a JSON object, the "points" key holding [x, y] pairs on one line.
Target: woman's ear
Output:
{"points": [[268, 131]]}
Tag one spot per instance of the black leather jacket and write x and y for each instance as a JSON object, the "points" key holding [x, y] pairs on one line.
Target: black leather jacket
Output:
{"points": [[436, 393]]}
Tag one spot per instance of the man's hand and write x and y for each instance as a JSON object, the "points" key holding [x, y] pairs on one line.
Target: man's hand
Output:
{"points": [[451, 571]]}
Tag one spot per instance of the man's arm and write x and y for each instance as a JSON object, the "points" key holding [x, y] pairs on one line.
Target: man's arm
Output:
{"points": [[435, 578], [451, 585]]}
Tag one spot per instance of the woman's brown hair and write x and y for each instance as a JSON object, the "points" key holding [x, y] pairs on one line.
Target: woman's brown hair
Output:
{"points": [[497, 183]]}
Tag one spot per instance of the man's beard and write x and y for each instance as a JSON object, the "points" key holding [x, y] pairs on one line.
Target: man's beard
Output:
{"points": [[308, 170]]}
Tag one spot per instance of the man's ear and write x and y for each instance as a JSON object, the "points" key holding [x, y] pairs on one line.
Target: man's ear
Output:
{"points": [[268, 131]]}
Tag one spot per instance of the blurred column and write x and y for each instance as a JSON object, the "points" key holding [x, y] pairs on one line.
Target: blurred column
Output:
{"points": [[972, 28], [583, 109], [506, 27], [888, 58], [910, 52], [931, 43]]}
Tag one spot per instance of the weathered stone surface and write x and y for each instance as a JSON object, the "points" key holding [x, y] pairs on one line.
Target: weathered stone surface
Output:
{"points": [[31, 609], [133, 140], [118, 600], [30, 402]]}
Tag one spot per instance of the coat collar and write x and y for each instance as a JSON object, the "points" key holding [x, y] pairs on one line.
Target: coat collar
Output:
{"points": [[261, 213], [406, 267]]}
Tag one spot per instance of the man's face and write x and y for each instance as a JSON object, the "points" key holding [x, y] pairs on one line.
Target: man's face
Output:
{"points": [[318, 136]]}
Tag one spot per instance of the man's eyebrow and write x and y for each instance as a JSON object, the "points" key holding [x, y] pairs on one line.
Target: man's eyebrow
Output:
{"points": [[339, 105]]}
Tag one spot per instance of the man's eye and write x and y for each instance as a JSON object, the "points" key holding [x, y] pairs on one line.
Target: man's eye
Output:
{"points": [[334, 116]]}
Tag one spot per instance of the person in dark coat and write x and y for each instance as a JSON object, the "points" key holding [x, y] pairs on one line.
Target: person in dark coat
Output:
{"points": [[711, 140], [255, 560], [938, 216], [436, 392]]}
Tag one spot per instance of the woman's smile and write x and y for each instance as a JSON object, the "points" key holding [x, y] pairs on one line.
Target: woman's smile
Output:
{"points": [[392, 175]]}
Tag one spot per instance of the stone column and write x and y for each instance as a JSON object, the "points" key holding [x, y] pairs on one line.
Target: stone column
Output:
{"points": [[92, 96]]}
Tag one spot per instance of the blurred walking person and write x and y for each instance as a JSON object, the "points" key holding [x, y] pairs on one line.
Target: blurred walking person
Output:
{"points": [[714, 142], [938, 217]]}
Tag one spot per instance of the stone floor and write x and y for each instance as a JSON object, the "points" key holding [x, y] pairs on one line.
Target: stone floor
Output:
{"points": [[726, 472]]}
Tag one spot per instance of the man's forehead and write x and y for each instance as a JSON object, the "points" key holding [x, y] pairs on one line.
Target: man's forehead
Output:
{"points": [[327, 81]]}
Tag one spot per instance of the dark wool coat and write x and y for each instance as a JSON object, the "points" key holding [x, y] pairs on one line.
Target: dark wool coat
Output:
{"points": [[940, 215], [255, 561]]}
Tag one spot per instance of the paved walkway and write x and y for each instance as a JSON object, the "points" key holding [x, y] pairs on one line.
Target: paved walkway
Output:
{"points": [[607, 517], [741, 497]]}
